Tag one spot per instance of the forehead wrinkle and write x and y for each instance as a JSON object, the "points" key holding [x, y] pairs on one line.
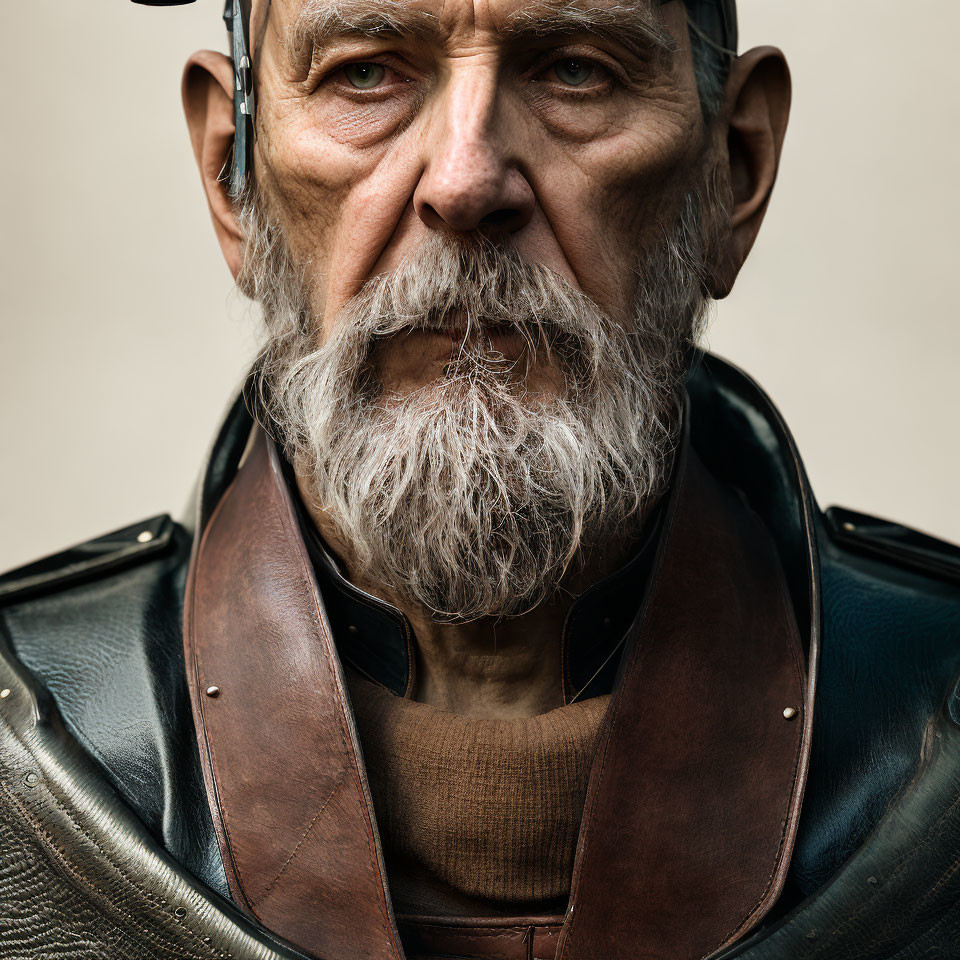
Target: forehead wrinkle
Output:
{"points": [[321, 21], [633, 23]]}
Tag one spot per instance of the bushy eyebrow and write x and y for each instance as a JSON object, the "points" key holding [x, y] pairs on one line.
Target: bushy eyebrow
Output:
{"points": [[634, 24], [321, 21]]}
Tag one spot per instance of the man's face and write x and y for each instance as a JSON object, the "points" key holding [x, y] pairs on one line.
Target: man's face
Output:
{"points": [[483, 236], [568, 132]]}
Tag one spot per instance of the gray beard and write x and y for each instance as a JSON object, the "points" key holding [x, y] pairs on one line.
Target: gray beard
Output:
{"points": [[472, 497]]}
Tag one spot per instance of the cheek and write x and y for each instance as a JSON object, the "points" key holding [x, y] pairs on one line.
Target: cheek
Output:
{"points": [[609, 199], [339, 190], [359, 126]]}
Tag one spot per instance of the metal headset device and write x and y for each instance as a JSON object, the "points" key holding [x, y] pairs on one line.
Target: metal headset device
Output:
{"points": [[716, 19], [236, 15]]}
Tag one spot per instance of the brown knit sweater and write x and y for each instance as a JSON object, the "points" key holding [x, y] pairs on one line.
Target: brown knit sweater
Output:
{"points": [[476, 817]]}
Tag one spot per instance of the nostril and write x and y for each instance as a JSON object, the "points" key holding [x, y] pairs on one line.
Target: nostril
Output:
{"points": [[430, 216], [499, 217]]}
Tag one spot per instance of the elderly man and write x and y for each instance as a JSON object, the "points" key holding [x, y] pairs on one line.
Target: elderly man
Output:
{"points": [[507, 626]]}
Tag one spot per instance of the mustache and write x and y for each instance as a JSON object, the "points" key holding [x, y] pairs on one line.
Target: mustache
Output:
{"points": [[471, 289]]}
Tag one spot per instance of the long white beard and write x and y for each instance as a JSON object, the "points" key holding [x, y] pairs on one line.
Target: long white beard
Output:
{"points": [[472, 496]]}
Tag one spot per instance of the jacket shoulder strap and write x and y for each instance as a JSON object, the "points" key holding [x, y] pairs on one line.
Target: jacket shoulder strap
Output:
{"points": [[894, 543], [114, 551]]}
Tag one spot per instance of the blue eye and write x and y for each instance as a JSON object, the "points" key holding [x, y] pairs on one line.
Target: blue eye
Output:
{"points": [[573, 71], [364, 76]]}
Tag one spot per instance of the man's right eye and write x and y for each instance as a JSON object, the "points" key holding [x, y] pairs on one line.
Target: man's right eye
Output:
{"points": [[364, 76]]}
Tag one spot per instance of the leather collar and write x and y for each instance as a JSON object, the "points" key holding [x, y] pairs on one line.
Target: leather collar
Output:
{"points": [[696, 787], [376, 639]]}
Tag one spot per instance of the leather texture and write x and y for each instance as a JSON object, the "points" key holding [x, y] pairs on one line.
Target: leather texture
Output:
{"points": [[695, 729], [880, 538], [534, 938], [898, 896], [279, 746], [88, 561], [891, 633], [891, 646], [108, 649], [90, 883], [82, 878]]}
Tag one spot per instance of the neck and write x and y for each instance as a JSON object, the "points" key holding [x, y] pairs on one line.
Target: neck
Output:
{"points": [[488, 668]]}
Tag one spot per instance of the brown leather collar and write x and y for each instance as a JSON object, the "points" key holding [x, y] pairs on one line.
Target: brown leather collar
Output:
{"points": [[697, 783], [281, 759], [695, 792]]}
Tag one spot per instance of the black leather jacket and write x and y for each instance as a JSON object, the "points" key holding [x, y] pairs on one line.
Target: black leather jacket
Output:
{"points": [[100, 627]]}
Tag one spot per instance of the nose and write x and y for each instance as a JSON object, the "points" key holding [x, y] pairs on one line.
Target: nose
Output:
{"points": [[471, 179]]}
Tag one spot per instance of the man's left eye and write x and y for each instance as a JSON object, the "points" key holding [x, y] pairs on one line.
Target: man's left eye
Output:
{"points": [[574, 71], [364, 76]]}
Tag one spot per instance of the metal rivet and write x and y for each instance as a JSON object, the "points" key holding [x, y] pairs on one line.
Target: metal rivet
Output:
{"points": [[873, 881], [4, 693], [789, 713], [850, 527], [353, 629], [31, 779], [180, 912], [144, 537], [213, 691]]}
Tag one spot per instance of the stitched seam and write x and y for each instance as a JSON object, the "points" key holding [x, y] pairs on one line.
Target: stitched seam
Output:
{"points": [[263, 896], [898, 869], [485, 931], [71, 868], [639, 652], [613, 726], [785, 610], [933, 929], [943, 879], [479, 934], [222, 809], [352, 767], [197, 696], [289, 522]]}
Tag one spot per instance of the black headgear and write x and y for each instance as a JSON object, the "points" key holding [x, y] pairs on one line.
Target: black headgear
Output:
{"points": [[717, 19]]}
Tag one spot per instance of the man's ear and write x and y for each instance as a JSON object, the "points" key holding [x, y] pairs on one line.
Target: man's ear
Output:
{"points": [[754, 118], [208, 103]]}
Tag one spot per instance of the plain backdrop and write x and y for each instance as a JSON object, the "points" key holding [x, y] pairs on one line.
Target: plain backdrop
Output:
{"points": [[122, 342]]}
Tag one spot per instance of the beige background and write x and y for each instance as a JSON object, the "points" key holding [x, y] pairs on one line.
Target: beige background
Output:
{"points": [[121, 339]]}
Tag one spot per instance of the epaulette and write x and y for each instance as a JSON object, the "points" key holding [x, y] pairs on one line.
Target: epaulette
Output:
{"points": [[107, 554], [894, 543]]}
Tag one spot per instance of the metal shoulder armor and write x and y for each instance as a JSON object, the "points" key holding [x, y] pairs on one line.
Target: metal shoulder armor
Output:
{"points": [[87, 878]]}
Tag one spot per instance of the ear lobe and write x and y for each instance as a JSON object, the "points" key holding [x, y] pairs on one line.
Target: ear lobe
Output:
{"points": [[207, 91], [756, 113]]}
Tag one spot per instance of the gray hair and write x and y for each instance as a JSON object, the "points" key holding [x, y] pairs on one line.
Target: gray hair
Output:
{"points": [[711, 67], [472, 497]]}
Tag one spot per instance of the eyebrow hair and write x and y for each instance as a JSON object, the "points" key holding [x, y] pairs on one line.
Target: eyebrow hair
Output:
{"points": [[634, 23], [320, 21]]}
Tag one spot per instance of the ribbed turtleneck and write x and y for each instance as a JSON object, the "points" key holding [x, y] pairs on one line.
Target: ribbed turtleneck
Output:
{"points": [[476, 816]]}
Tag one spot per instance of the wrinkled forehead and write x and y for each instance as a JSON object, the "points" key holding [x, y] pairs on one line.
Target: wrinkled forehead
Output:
{"points": [[716, 20], [297, 20]]}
